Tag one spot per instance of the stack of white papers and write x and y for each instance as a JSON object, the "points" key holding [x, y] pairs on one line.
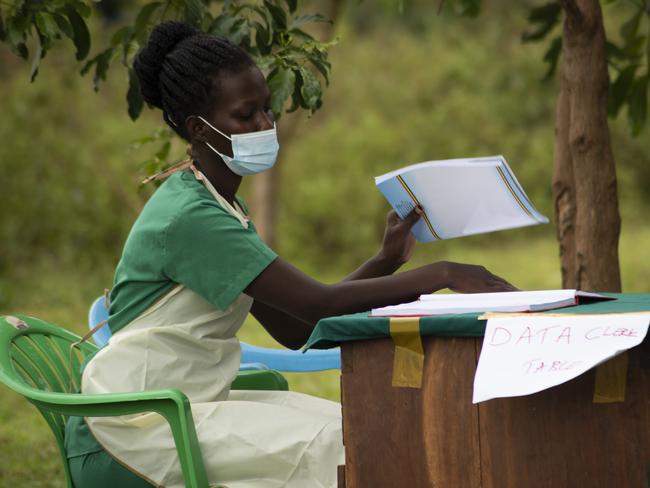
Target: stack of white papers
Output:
{"points": [[512, 301], [460, 197]]}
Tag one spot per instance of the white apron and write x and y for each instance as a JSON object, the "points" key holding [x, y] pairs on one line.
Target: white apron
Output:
{"points": [[249, 439]]}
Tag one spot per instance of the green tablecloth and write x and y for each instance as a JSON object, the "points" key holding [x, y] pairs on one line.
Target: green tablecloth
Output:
{"points": [[331, 331]]}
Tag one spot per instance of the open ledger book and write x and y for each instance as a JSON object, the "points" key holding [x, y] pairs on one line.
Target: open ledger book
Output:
{"points": [[460, 197], [512, 301]]}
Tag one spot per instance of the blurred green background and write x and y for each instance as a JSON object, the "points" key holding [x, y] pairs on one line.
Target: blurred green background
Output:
{"points": [[406, 87]]}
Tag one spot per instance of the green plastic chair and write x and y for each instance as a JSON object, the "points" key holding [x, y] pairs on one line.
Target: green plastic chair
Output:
{"points": [[35, 362]]}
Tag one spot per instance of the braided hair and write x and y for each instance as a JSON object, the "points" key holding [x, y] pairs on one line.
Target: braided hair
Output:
{"points": [[177, 67]]}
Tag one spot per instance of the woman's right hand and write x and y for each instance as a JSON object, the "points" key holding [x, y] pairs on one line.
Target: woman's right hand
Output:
{"points": [[471, 278]]}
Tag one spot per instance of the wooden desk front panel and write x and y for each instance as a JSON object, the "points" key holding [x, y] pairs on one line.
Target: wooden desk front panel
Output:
{"points": [[436, 437], [407, 437]]}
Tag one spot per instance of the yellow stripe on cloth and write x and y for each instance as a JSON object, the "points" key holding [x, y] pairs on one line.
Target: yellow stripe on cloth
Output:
{"points": [[611, 378], [409, 355]]}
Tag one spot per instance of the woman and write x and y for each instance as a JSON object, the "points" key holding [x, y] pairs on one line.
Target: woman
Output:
{"points": [[191, 270]]}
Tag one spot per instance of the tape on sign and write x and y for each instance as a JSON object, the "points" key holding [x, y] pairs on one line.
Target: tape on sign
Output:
{"points": [[409, 356], [611, 378]]}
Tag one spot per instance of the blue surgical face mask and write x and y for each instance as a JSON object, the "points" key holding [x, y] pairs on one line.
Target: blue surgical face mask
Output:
{"points": [[252, 152]]}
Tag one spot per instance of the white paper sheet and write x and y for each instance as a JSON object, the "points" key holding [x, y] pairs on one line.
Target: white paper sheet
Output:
{"points": [[511, 301], [460, 197], [523, 355]]}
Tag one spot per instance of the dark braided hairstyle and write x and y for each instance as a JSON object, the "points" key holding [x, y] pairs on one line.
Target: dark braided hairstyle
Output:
{"points": [[177, 67]]}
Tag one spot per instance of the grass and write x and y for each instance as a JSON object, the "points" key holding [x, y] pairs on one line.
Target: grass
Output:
{"points": [[62, 296]]}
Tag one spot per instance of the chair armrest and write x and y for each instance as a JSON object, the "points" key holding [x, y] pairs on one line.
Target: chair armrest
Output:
{"points": [[126, 403], [291, 361], [172, 404], [268, 379], [253, 367]]}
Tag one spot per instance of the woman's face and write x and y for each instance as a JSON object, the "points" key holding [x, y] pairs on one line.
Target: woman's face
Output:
{"points": [[242, 104]]}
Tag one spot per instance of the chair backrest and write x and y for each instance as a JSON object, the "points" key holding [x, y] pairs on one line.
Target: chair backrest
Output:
{"points": [[35, 355], [252, 357]]}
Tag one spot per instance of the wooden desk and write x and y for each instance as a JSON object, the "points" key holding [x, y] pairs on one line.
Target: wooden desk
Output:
{"points": [[436, 437]]}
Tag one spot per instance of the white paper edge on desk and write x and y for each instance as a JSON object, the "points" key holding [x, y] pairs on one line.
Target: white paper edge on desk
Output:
{"points": [[513, 301], [522, 355]]}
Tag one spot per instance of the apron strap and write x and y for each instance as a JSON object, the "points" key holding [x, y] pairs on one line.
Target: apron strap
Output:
{"points": [[239, 215], [84, 338]]}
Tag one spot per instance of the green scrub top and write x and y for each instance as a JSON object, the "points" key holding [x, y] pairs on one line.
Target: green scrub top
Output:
{"points": [[182, 236]]}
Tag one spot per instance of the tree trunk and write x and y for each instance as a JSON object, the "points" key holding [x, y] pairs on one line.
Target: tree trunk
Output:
{"points": [[266, 186], [563, 191], [584, 180]]}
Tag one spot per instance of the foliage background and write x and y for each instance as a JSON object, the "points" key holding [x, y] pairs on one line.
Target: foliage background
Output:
{"points": [[405, 87]]}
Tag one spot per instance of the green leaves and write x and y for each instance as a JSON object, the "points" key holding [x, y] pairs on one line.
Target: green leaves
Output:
{"points": [[263, 40], [143, 21], [3, 30], [552, 56], [637, 104], [64, 25], [36, 62], [133, 96], [16, 29], [620, 89], [46, 23], [542, 20], [194, 11], [467, 8], [307, 19], [270, 30], [80, 33], [310, 90], [292, 4], [47, 29], [630, 28], [281, 82], [295, 61], [277, 13], [101, 62], [629, 70]]}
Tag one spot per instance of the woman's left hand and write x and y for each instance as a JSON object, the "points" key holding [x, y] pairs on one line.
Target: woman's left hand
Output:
{"points": [[398, 241]]}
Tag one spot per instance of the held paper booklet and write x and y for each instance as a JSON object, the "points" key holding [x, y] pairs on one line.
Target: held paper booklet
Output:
{"points": [[511, 301], [460, 197]]}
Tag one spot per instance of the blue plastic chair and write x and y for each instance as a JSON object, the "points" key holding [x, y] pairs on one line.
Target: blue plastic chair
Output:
{"points": [[252, 357]]}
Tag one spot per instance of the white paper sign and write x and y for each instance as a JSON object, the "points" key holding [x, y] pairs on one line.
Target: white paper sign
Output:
{"points": [[523, 355]]}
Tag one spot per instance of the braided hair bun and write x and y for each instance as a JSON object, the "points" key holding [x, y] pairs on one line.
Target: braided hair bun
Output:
{"points": [[149, 63], [177, 67]]}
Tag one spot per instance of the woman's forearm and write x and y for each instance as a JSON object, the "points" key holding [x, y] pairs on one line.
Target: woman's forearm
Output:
{"points": [[376, 266], [365, 294], [288, 330], [285, 288]]}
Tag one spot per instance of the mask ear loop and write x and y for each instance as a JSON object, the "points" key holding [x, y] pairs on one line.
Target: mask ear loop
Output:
{"points": [[214, 128], [219, 132], [186, 163]]}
